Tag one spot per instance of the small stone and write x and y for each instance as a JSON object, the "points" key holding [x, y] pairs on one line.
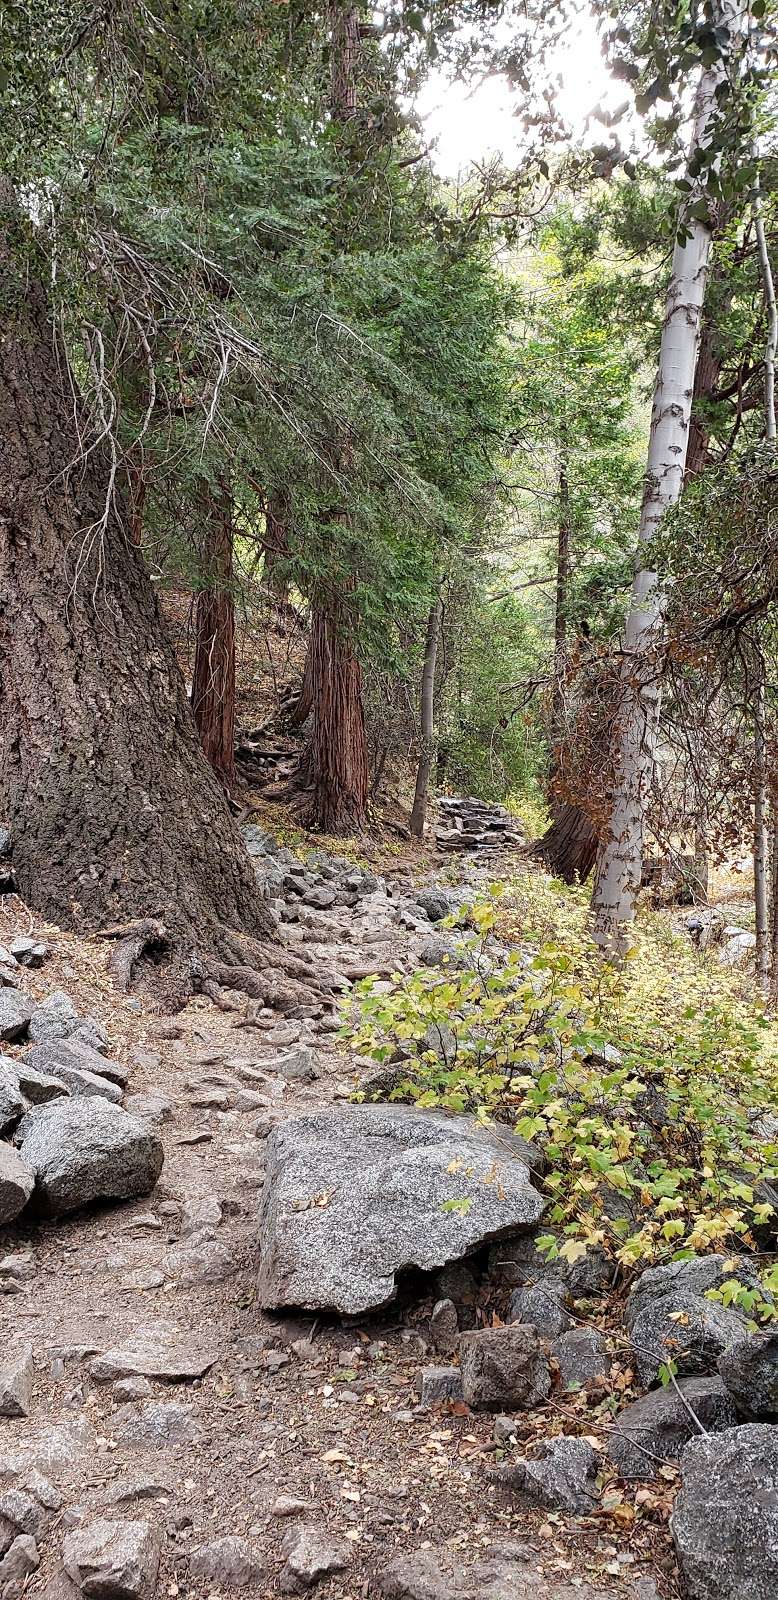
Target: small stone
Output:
{"points": [[229, 1562], [16, 1380], [145, 1278], [204, 1211], [17, 1181], [439, 1384], [73, 1055], [19, 1561], [658, 1426], [157, 1425], [131, 1389], [114, 1560], [504, 1430], [749, 1368], [695, 1276], [154, 1108], [24, 1512], [289, 1505], [20, 1266], [582, 1356], [154, 1352], [504, 1367], [320, 898], [15, 1014], [435, 904], [201, 1260], [310, 1555], [298, 1066], [561, 1476], [444, 1327], [30, 952], [542, 1305], [12, 1102]]}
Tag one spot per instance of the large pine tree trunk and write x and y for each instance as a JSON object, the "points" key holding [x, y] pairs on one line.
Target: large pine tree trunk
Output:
{"points": [[619, 863], [113, 809], [569, 847], [213, 682], [334, 767], [427, 716]]}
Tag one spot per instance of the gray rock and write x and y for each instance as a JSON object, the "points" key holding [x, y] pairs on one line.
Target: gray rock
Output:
{"points": [[87, 1149], [561, 1476], [57, 1018], [202, 1211], [132, 1389], [542, 1305], [5, 843], [25, 1512], [435, 904], [356, 1194], [80, 1081], [20, 1560], [56, 1450], [583, 1357], [17, 1181], [506, 1571], [749, 1368], [229, 1562], [157, 1425], [12, 1102], [438, 951], [439, 1384], [38, 1087], [310, 1555], [518, 1263], [725, 1520], [504, 1368], [440, 1040], [30, 952], [76, 1056], [16, 1380], [658, 1426], [15, 1014], [153, 1108], [694, 1277], [444, 1327], [114, 1560], [320, 898], [201, 1259], [686, 1329], [298, 1066], [157, 1351]]}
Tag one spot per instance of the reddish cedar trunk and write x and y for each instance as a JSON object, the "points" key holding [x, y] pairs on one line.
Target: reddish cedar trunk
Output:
{"points": [[213, 684], [334, 768], [569, 847], [419, 810], [113, 809]]}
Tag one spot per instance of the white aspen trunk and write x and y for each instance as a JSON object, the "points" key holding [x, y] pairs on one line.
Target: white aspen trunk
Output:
{"points": [[619, 862], [419, 811], [771, 347]]}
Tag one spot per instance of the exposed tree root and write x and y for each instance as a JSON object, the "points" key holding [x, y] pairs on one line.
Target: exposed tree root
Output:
{"points": [[133, 938]]}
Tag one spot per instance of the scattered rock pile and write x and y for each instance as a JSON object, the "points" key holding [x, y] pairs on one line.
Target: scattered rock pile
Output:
{"points": [[468, 824], [67, 1141]]}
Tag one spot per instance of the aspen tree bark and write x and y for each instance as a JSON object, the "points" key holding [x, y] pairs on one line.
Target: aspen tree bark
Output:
{"points": [[427, 717], [619, 863]]}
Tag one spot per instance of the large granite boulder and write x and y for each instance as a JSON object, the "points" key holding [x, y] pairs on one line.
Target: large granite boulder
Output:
{"points": [[685, 1329], [356, 1194], [657, 1427], [695, 1276], [725, 1520], [86, 1148]]}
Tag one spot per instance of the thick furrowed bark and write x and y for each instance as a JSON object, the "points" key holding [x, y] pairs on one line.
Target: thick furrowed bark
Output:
{"points": [[114, 812], [334, 767], [569, 847]]}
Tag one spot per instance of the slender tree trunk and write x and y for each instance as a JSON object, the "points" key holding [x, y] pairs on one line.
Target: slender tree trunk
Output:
{"points": [[334, 768], [113, 810], [276, 548], [774, 904], [619, 864], [569, 847], [771, 307], [213, 684], [761, 861], [427, 753], [563, 569], [701, 864]]}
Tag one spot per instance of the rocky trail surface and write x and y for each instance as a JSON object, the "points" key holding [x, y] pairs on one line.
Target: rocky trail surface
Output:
{"points": [[167, 1430]]}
